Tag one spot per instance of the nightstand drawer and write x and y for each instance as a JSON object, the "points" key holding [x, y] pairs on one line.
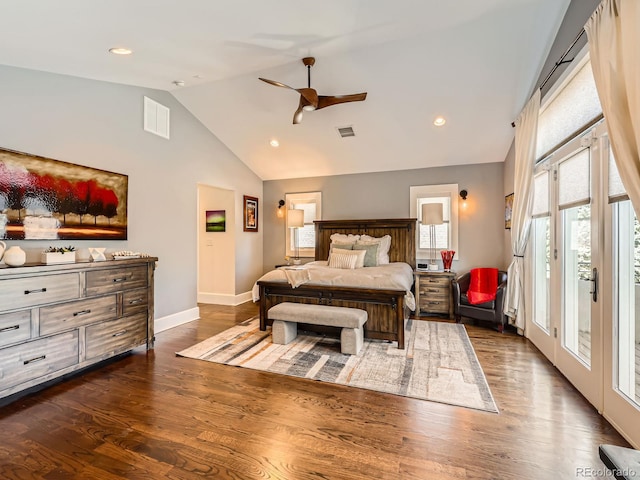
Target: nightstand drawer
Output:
{"points": [[15, 327], [116, 336], [435, 281], [116, 280], [434, 306], [32, 291], [58, 318], [35, 359]]}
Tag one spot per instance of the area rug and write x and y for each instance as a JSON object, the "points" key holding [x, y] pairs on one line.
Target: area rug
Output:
{"points": [[438, 363]]}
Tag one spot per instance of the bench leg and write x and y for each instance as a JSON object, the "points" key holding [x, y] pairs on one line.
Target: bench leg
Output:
{"points": [[351, 340], [283, 332]]}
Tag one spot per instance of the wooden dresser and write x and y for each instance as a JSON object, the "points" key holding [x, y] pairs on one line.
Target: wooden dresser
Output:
{"points": [[433, 293], [56, 319]]}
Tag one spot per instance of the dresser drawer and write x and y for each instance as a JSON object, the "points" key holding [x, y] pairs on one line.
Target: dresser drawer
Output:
{"points": [[28, 292], [57, 318], [433, 290], [116, 336], [15, 327], [35, 359], [115, 280], [134, 301]]}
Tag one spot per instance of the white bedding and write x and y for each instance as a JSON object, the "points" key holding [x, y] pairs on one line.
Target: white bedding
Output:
{"points": [[393, 276]]}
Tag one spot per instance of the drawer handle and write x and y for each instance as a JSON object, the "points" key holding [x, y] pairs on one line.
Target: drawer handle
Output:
{"points": [[135, 301], [81, 312], [120, 279], [39, 290], [119, 334], [7, 329], [34, 360], [435, 290]]}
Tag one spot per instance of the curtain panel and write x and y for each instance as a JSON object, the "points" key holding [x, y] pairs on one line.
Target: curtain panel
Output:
{"points": [[614, 38], [526, 133]]}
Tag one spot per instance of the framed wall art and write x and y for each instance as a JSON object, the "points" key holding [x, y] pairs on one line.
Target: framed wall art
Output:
{"points": [[250, 214], [42, 198], [215, 221], [508, 207]]}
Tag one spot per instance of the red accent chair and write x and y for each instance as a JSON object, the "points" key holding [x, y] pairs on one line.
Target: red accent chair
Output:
{"points": [[488, 311]]}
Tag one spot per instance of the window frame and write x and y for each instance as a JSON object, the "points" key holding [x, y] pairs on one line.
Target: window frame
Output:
{"points": [[450, 190], [291, 200]]}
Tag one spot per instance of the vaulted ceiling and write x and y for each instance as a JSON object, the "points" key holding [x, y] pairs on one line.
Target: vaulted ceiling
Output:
{"points": [[472, 62]]}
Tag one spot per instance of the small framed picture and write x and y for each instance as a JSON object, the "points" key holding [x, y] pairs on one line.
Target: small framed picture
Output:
{"points": [[508, 207], [216, 220], [250, 214]]}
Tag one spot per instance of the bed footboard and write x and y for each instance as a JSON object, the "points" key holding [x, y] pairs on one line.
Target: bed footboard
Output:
{"points": [[385, 308]]}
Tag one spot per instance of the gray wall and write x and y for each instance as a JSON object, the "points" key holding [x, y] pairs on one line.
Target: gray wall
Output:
{"points": [[99, 124], [386, 195]]}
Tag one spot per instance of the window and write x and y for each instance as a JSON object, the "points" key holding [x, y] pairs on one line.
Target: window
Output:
{"points": [[447, 233], [311, 203]]}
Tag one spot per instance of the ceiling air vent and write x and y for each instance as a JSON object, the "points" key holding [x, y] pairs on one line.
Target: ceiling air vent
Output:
{"points": [[346, 132]]}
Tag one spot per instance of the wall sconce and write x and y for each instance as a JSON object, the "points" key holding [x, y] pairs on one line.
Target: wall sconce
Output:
{"points": [[280, 209], [463, 195]]}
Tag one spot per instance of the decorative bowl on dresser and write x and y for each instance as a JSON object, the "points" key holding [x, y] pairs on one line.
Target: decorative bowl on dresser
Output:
{"points": [[58, 319]]}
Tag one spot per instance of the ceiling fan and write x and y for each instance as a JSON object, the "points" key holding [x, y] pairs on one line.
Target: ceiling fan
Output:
{"points": [[309, 98]]}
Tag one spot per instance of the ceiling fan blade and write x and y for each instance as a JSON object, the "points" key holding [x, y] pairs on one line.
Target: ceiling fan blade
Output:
{"points": [[310, 95], [275, 84], [328, 100]]}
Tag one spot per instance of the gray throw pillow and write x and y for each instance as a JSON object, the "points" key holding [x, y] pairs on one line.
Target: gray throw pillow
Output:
{"points": [[371, 257]]}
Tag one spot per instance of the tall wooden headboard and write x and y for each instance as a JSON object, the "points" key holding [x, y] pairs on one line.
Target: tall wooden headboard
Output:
{"points": [[402, 231]]}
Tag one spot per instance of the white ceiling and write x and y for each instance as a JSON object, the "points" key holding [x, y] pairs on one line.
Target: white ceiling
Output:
{"points": [[474, 62]]}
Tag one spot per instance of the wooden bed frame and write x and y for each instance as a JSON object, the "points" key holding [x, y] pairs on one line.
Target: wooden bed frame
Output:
{"points": [[385, 308]]}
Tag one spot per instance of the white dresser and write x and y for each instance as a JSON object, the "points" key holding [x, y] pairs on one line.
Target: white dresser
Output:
{"points": [[56, 319]]}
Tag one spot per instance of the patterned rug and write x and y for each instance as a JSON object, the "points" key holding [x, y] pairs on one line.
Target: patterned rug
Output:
{"points": [[438, 364]]}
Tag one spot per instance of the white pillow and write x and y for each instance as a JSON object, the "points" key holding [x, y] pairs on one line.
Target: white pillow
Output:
{"points": [[342, 260], [383, 249], [342, 238], [359, 254]]}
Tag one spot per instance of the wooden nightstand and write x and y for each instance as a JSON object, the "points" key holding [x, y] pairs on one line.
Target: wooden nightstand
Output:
{"points": [[433, 293]]}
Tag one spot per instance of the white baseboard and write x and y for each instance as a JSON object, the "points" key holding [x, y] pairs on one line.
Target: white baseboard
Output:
{"points": [[224, 299], [175, 319]]}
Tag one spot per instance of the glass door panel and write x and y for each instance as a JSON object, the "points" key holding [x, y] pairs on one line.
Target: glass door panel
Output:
{"points": [[626, 297], [576, 288], [541, 271]]}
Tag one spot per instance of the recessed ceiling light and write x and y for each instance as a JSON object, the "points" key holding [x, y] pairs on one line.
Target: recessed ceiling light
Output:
{"points": [[439, 121], [120, 51], [274, 143]]}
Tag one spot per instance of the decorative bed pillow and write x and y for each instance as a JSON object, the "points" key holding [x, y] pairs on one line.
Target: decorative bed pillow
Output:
{"points": [[342, 238], [359, 254], [343, 246], [342, 260], [383, 249], [371, 253]]}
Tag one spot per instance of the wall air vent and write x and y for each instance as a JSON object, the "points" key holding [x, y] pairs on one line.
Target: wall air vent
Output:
{"points": [[346, 131], [156, 118]]}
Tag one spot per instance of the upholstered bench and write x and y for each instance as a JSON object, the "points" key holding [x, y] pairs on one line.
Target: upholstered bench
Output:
{"points": [[286, 316]]}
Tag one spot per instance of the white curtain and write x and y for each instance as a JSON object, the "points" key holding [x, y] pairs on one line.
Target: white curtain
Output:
{"points": [[614, 46], [526, 133]]}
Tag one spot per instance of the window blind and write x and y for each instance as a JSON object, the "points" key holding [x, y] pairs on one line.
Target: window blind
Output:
{"points": [[574, 180], [540, 206]]}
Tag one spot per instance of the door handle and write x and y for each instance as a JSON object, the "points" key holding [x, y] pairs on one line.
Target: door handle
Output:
{"points": [[594, 281]]}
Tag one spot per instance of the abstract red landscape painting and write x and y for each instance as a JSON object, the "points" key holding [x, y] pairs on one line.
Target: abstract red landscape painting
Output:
{"points": [[42, 198]]}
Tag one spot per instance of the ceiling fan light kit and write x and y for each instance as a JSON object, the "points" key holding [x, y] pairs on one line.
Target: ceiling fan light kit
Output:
{"points": [[309, 98]]}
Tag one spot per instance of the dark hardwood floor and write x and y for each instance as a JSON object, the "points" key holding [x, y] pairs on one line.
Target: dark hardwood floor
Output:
{"points": [[154, 415]]}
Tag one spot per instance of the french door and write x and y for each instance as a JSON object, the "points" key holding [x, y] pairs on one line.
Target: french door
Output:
{"points": [[584, 280], [565, 321]]}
